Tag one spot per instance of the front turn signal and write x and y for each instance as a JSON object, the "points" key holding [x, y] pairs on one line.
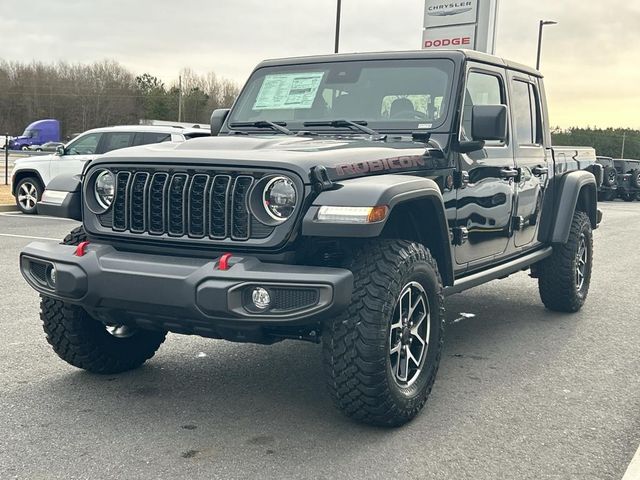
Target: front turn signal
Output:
{"points": [[330, 214]]}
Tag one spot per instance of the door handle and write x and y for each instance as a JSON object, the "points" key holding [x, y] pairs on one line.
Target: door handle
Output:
{"points": [[509, 172], [539, 171]]}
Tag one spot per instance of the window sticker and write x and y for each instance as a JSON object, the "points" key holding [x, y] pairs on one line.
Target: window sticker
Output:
{"points": [[288, 90]]}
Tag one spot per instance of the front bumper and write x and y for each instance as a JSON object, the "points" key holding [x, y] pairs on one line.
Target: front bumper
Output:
{"points": [[183, 294]]}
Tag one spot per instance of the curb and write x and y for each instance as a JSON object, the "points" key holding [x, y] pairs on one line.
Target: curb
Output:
{"points": [[8, 208]]}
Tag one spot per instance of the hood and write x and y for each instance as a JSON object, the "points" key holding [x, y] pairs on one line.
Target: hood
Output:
{"points": [[344, 155], [25, 161]]}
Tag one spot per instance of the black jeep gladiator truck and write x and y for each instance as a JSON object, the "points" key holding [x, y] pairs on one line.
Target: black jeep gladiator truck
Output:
{"points": [[608, 191], [628, 180], [339, 201]]}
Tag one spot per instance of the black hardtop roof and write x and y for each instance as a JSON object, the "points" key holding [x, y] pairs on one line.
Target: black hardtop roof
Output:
{"points": [[456, 55]]}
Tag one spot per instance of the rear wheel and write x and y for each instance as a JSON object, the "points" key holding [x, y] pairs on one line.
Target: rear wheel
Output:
{"points": [[28, 193], [382, 354], [86, 343], [564, 277]]}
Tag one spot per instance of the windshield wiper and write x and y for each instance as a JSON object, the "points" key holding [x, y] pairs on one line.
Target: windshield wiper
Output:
{"points": [[359, 125], [277, 126]]}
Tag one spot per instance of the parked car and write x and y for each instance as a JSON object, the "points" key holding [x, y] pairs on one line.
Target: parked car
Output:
{"points": [[37, 133], [341, 200], [628, 179], [608, 190], [31, 175], [46, 147]]}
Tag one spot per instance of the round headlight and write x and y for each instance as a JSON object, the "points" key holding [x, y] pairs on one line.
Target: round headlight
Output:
{"points": [[104, 188], [279, 198]]}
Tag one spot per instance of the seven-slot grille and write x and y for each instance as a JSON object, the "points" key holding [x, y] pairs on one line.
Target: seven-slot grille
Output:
{"points": [[193, 205]]}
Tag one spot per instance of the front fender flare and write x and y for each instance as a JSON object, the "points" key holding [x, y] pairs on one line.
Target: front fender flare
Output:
{"points": [[389, 190], [71, 206]]}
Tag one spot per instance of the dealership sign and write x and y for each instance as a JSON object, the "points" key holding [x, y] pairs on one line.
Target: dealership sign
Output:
{"points": [[469, 24], [442, 13]]}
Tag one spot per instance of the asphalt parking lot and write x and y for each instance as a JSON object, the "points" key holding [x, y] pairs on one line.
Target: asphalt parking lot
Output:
{"points": [[522, 393]]}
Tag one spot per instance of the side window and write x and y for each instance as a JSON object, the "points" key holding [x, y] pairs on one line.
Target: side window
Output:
{"points": [[526, 113], [482, 89], [85, 145], [148, 138], [536, 114], [117, 140]]}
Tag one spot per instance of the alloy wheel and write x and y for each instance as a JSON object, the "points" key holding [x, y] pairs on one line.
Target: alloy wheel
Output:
{"points": [[409, 334], [582, 258], [28, 196], [121, 331]]}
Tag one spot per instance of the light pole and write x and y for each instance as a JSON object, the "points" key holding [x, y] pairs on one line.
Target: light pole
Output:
{"points": [[542, 24], [338, 14]]}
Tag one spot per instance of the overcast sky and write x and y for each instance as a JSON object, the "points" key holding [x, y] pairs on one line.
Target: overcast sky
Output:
{"points": [[591, 60]]}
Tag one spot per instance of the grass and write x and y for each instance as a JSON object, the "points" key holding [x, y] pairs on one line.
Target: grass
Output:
{"points": [[5, 195]]}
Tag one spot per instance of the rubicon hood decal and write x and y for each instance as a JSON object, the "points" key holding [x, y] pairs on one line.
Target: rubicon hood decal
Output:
{"points": [[409, 162]]}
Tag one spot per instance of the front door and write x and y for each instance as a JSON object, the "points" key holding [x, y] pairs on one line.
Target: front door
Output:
{"points": [[77, 153], [485, 199]]}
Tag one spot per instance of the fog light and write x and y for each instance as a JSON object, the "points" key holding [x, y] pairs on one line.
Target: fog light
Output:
{"points": [[52, 275], [261, 298]]}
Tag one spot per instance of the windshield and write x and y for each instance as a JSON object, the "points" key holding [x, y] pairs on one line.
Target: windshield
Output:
{"points": [[402, 95]]}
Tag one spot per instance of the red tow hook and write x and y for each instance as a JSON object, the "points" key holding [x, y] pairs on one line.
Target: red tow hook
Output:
{"points": [[223, 263], [81, 249]]}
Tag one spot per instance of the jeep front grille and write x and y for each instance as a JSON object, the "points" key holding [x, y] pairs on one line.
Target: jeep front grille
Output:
{"points": [[181, 204]]}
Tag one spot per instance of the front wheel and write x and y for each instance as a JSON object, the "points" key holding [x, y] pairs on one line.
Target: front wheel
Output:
{"points": [[28, 194], [86, 343], [564, 277], [382, 354]]}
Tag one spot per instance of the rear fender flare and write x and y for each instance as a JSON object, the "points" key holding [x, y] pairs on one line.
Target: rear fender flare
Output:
{"points": [[559, 206]]}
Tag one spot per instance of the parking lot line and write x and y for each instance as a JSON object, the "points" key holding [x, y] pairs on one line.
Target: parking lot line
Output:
{"points": [[38, 217], [633, 470], [28, 237]]}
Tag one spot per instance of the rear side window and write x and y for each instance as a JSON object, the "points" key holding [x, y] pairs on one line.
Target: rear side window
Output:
{"points": [[526, 113], [147, 138], [196, 135], [117, 140]]}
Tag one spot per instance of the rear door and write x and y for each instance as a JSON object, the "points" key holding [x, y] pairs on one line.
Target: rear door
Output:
{"points": [[485, 199], [116, 141], [532, 158], [148, 138]]}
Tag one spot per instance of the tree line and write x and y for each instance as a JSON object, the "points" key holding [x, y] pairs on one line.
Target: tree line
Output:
{"points": [[84, 96], [608, 142]]}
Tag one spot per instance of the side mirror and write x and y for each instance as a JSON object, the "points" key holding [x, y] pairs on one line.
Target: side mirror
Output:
{"points": [[218, 118], [489, 122], [60, 151]]}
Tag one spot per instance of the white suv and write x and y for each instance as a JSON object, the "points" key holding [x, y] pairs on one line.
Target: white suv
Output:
{"points": [[31, 175]]}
